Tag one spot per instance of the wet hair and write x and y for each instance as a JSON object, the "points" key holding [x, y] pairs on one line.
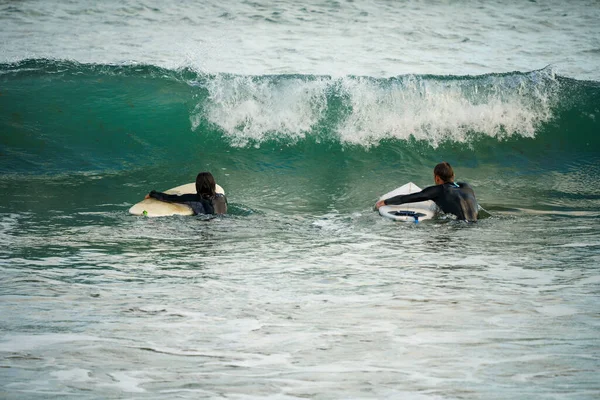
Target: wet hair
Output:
{"points": [[205, 184], [444, 171]]}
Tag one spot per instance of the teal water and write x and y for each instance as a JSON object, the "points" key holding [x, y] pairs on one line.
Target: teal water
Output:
{"points": [[530, 136], [305, 114]]}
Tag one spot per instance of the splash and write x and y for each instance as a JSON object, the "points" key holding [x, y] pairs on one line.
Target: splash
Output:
{"points": [[364, 111]]}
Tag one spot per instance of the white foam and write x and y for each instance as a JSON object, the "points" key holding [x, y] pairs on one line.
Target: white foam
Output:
{"points": [[250, 110], [434, 111], [72, 375], [29, 342], [126, 382]]}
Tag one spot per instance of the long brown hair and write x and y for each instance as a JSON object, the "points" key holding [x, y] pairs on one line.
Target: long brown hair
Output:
{"points": [[205, 184]]}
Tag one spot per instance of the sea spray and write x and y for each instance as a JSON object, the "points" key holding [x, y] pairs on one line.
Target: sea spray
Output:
{"points": [[367, 110]]}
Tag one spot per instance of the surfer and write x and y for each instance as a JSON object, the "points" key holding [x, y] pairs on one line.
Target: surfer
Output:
{"points": [[453, 198], [204, 201]]}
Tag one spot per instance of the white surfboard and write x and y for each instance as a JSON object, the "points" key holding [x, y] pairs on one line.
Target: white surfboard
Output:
{"points": [[156, 208], [411, 212]]}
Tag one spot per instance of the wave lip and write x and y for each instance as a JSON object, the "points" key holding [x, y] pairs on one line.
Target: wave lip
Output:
{"points": [[365, 111]]}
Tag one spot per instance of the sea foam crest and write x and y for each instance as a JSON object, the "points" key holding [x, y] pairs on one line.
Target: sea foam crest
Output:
{"points": [[364, 111], [253, 109]]}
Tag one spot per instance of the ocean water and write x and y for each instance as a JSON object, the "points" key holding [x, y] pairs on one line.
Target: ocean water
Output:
{"points": [[305, 112]]}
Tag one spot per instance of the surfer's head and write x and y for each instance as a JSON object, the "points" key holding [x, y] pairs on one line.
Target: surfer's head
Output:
{"points": [[443, 173], [205, 184]]}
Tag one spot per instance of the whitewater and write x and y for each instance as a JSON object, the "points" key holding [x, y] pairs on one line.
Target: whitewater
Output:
{"points": [[305, 113]]}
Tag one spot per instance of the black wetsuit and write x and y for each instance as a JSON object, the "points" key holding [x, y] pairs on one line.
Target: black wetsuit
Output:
{"points": [[454, 198], [199, 204]]}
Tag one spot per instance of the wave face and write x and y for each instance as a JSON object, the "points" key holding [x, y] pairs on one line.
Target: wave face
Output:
{"points": [[60, 117]]}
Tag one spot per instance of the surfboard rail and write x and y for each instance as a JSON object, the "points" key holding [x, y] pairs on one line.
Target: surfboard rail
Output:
{"points": [[156, 208], [408, 212]]}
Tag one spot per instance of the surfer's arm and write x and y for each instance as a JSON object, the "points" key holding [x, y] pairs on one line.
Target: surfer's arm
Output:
{"points": [[172, 198], [429, 193]]}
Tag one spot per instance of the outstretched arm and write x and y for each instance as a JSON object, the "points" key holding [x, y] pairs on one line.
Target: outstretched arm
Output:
{"points": [[171, 198], [429, 193]]}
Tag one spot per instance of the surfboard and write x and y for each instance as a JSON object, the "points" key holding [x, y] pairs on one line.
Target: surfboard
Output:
{"points": [[410, 212], [157, 208]]}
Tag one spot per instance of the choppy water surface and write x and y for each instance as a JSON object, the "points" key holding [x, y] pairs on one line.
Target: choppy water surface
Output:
{"points": [[373, 38], [328, 304], [305, 114], [99, 303]]}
